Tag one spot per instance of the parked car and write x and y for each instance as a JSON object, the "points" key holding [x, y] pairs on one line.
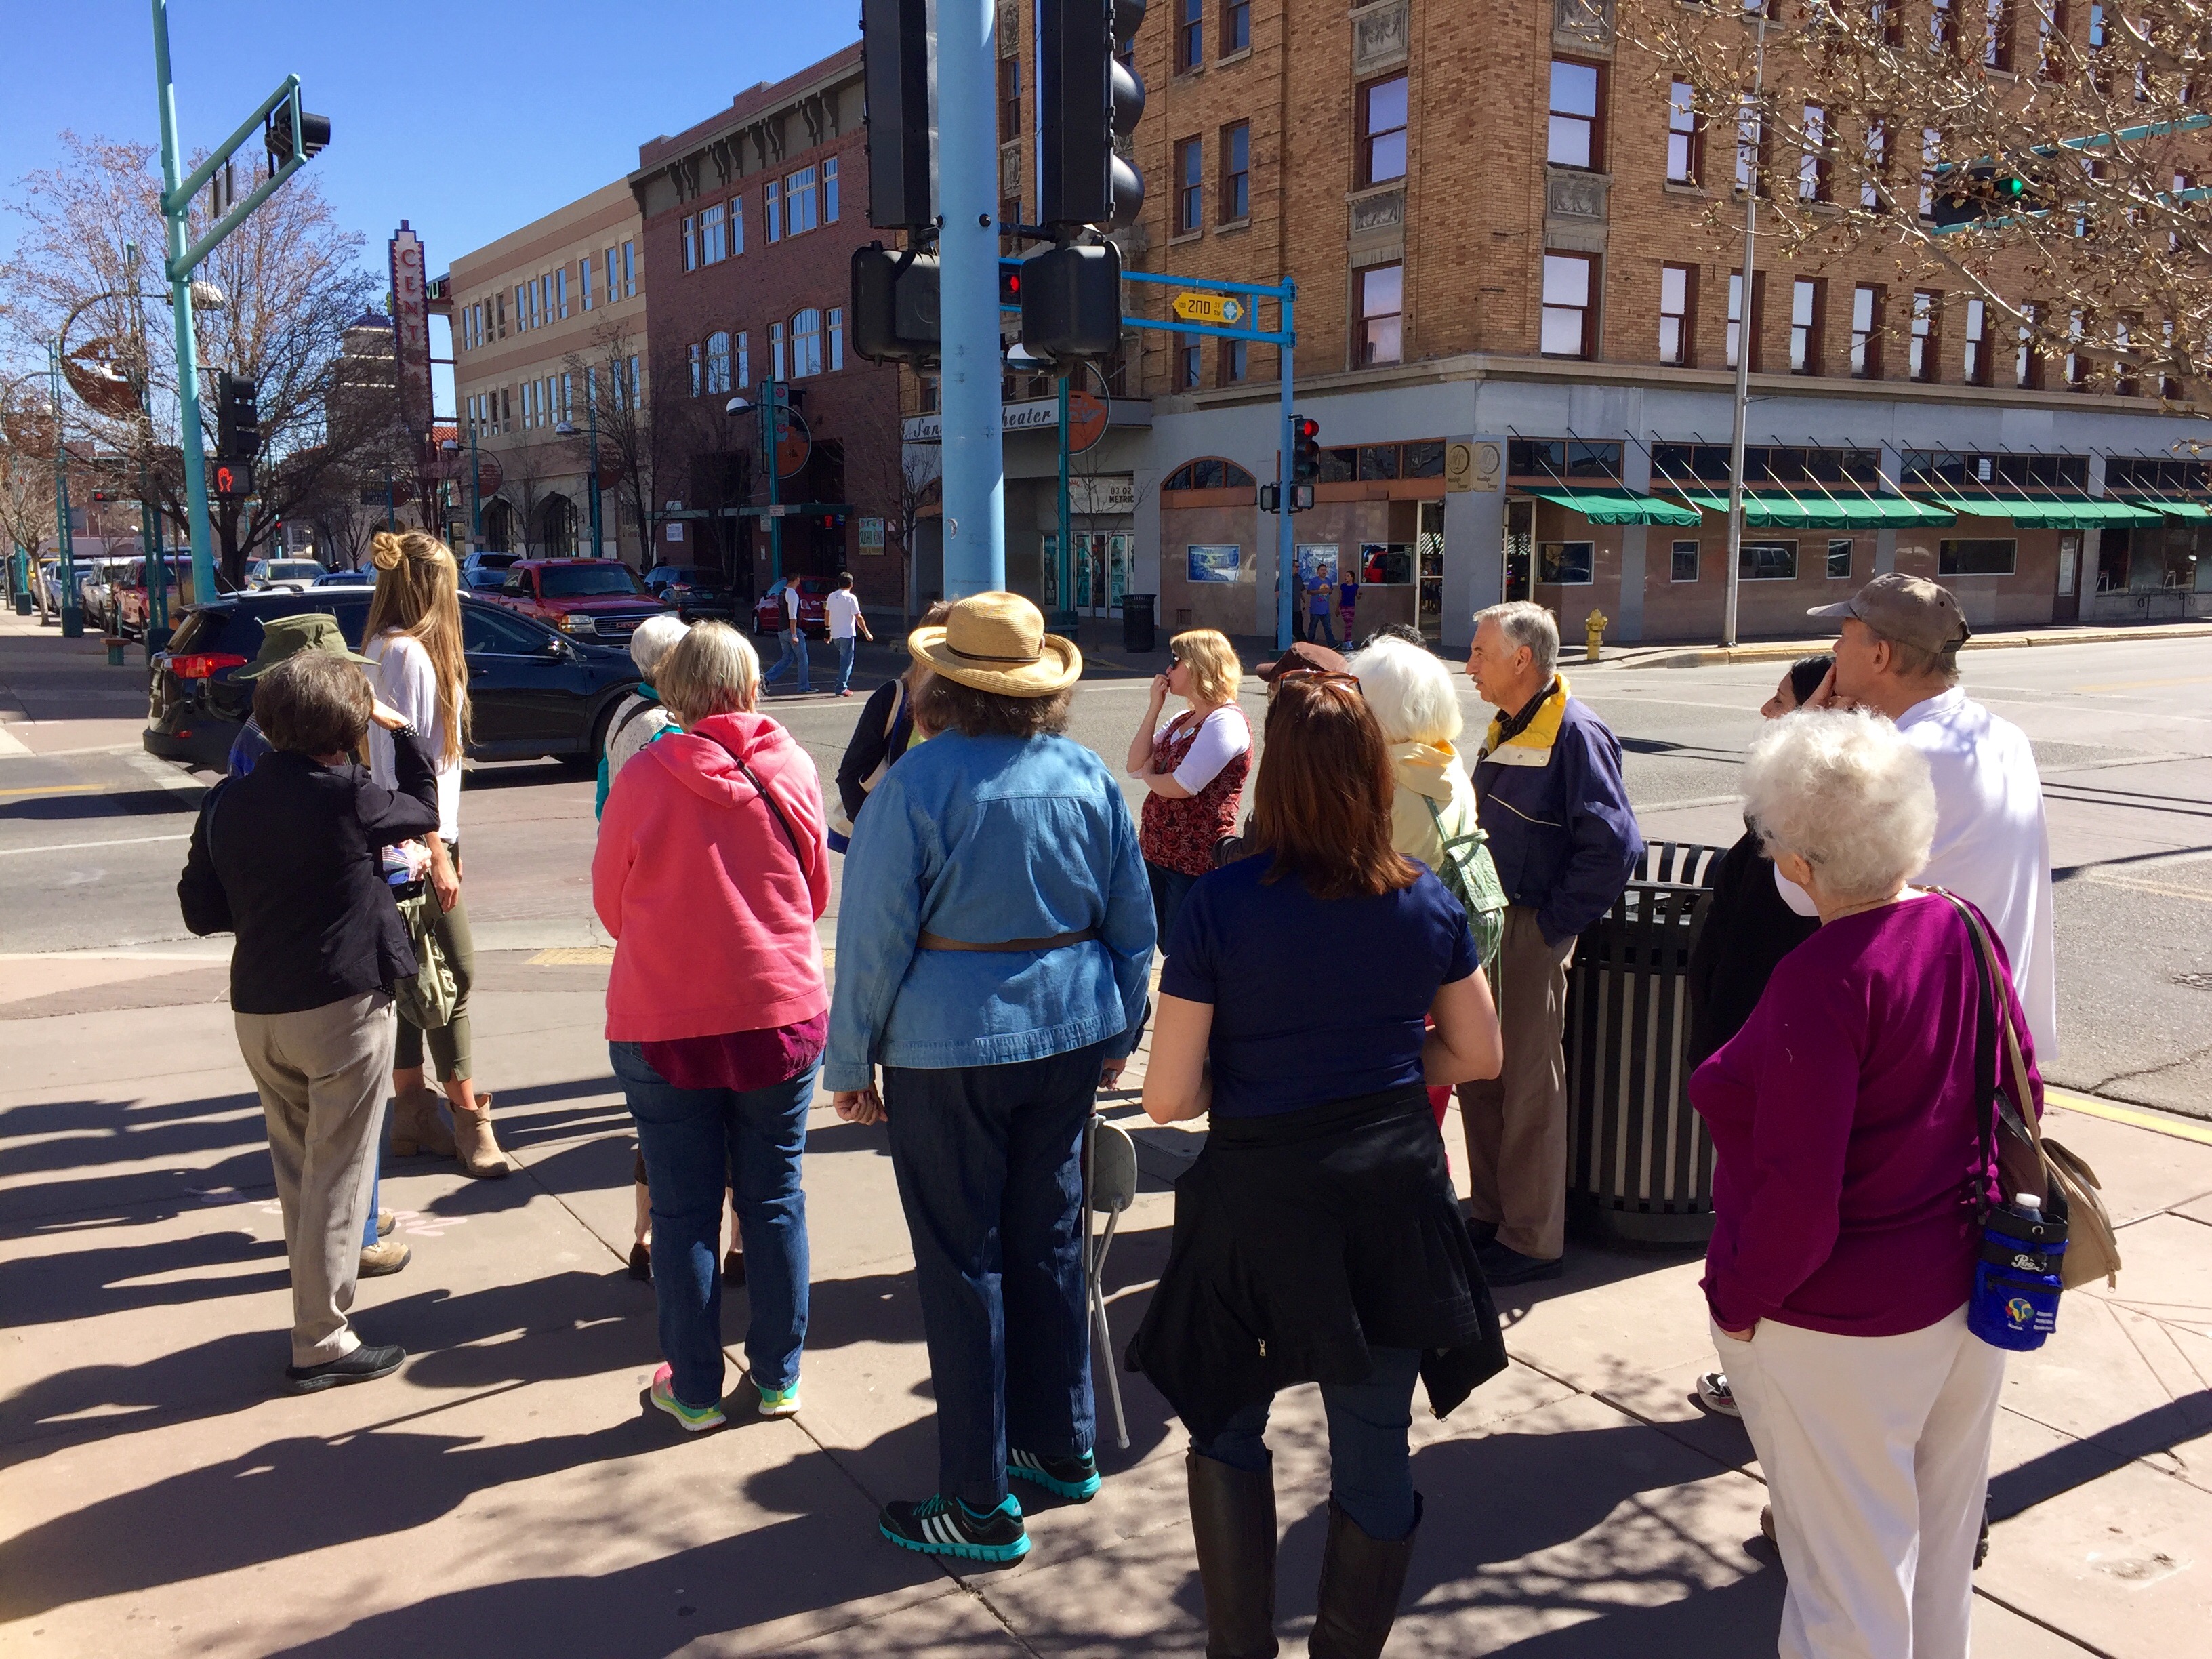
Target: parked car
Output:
{"points": [[346, 579], [694, 590], [294, 573], [46, 590], [131, 596], [99, 588], [594, 598], [483, 568], [813, 602], [533, 691]]}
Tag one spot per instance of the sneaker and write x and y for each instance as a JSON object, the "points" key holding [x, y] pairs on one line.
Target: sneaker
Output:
{"points": [[385, 1221], [779, 1402], [1070, 1477], [364, 1364], [1715, 1395], [942, 1526], [1502, 1265], [695, 1419], [387, 1255]]}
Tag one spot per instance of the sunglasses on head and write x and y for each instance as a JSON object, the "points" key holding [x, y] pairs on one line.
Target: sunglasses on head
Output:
{"points": [[1322, 675]]}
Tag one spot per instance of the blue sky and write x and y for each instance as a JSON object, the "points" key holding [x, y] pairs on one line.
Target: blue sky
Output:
{"points": [[466, 117]]}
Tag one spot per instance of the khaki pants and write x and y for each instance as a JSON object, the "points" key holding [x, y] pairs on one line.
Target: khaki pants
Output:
{"points": [[1517, 1123], [322, 1073]]}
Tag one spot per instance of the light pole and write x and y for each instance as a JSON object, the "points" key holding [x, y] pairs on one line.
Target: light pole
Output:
{"points": [[72, 602], [1743, 337], [769, 410], [568, 430]]}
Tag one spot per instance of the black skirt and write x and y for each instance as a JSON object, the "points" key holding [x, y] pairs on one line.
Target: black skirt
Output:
{"points": [[1303, 1242]]}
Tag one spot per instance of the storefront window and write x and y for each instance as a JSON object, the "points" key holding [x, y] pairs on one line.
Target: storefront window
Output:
{"points": [[1568, 564]]}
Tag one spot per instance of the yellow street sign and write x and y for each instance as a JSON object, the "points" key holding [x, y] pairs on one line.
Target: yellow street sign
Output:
{"points": [[1209, 308]]}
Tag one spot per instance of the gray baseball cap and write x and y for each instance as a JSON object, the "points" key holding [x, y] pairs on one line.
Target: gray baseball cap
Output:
{"points": [[1909, 610]]}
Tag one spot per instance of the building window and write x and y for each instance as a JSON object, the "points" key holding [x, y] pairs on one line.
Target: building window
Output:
{"points": [[1805, 296], [1010, 100], [690, 243], [1866, 332], [698, 378], [584, 282], [805, 343], [1925, 351], [1839, 559], [1383, 132], [2077, 364], [799, 205], [568, 407], [499, 307], [836, 330], [1187, 366], [1931, 154], [1750, 148], [737, 225], [1189, 187], [1190, 33], [2050, 40], [560, 280], [1876, 158], [630, 271], [1996, 34], [1678, 295], [1735, 315], [2027, 362], [775, 358], [717, 364], [1235, 202], [1685, 137], [614, 282], [1975, 558], [1570, 305], [1567, 564], [1683, 567], [1812, 165], [1233, 362], [1768, 562], [830, 208], [1235, 26], [745, 363], [772, 209], [1574, 139], [1942, 25], [1978, 344], [1381, 314], [712, 248]]}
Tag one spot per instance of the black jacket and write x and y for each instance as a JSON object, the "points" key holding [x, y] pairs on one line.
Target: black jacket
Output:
{"points": [[872, 746], [289, 858], [1302, 1241], [1748, 931]]}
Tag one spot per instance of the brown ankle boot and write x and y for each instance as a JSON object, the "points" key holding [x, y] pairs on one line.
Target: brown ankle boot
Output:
{"points": [[478, 1152], [417, 1126]]}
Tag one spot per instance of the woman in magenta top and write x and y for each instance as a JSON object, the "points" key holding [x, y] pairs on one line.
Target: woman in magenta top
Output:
{"points": [[1192, 768], [1845, 1118], [712, 868]]}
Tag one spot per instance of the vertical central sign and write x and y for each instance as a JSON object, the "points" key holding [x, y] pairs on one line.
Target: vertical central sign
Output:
{"points": [[410, 329]]}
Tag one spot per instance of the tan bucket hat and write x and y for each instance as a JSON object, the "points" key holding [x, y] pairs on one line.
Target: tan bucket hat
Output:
{"points": [[997, 642]]}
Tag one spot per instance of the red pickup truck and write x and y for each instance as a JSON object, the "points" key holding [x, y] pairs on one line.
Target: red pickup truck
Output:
{"points": [[591, 599]]}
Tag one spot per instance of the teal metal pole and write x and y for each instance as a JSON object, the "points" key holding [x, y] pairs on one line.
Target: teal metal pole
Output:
{"points": [[173, 214], [592, 414], [973, 446], [72, 602], [1286, 569], [149, 537], [476, 489], [1067, 597], [773, 413]]}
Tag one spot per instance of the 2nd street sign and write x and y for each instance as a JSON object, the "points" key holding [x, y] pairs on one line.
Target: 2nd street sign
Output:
{"points": [[1219, 308]]}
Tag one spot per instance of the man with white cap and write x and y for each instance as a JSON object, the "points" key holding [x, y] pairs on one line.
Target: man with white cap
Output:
{"points": [[1898, 652]]}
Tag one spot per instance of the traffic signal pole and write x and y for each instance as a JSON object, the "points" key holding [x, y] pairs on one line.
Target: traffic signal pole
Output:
{"points": [[175, 205], [974, 447], [1286, 568]]}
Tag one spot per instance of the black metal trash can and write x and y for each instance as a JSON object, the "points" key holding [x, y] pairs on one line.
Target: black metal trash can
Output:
{"points": [[1138, 632], [1639, 1162]]}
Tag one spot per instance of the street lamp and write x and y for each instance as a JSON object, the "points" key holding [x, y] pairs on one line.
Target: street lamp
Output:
{"points": [[568, 430], [452, 447], [1022, 361]]}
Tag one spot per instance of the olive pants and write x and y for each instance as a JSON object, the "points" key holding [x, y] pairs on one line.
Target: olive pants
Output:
{"points": [[449, 1044]]}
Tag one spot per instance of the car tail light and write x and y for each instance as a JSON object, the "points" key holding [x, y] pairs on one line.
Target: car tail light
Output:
{"points": [[203, 665]]}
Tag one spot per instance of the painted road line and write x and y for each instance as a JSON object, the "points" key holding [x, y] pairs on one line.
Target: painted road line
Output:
{"points": [[2157, 1123], [88, 846], [2144, 685], [53, 789]]}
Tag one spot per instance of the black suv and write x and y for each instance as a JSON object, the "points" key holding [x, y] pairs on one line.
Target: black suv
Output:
{"points": [[532, 692], [694, 590]]}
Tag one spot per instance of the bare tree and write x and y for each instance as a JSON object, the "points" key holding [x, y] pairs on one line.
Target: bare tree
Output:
{"points": [[648, 432], [26, 471], [1869, 120]]}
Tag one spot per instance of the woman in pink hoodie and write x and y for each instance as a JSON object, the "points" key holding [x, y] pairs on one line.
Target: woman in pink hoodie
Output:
{"points": [[713, 867]]}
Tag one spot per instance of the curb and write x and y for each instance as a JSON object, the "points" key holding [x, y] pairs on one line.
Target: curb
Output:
{"points": [[1791, 650]]}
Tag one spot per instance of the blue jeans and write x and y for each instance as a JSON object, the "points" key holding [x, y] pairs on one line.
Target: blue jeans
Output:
{"points": [[794, 656], [694, 1141], [990, 1174], [1320, 622], [845, 648], [1371, 1472], [376, 1177], [1169, 888]]}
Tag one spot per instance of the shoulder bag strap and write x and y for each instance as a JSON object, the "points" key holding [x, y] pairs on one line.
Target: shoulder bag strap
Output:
{"points": [[2021, 1102], [782, 822], [1988, 1087]]}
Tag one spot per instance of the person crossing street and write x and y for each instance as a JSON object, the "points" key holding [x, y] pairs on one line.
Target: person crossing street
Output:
{"points": [[794, 643], [843, 608]]}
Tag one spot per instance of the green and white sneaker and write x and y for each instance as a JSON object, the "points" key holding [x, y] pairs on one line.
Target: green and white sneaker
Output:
{"points": [[695, 1419], [1069, 1477], [779, 1402], [942, 1526]]}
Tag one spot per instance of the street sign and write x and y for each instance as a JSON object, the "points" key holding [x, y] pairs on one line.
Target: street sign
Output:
{"points": [[489, 476], [1086, 419], [793, 443], [1220, 308]]}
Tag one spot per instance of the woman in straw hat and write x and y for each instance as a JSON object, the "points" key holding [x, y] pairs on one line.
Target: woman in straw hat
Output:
{"points": [[994, 940]]}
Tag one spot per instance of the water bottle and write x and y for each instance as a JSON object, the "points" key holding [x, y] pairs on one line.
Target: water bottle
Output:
{"points": [[2015, 1303]]}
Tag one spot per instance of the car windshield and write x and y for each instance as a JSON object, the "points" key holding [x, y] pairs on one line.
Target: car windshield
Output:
{"points": [[293, 570], [586, 581]]}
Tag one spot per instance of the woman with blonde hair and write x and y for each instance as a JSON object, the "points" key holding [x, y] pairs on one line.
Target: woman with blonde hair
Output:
{"points": [[1193, 767], [413, 643]]}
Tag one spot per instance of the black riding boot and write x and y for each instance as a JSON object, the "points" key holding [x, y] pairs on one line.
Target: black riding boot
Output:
{"points": [[1232, 1514], [1361, 1579]]}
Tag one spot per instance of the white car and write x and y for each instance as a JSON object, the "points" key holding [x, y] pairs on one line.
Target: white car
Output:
{"points": [[282, 575]]}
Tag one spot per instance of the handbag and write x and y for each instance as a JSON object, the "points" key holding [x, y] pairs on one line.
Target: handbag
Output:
{"points": [[1469, 876], [426, 999], [840, 825]]}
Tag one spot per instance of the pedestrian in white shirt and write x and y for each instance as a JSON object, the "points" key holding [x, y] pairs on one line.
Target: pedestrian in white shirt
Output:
{"points": [[844, 613], [1898, 653], [794, 643]]}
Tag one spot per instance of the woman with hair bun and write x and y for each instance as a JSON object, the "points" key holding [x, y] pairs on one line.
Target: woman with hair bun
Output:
{"points": [[414, 647]]}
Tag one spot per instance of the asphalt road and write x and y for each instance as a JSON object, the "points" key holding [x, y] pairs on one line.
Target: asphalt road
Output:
{"points": [[92, 834]]}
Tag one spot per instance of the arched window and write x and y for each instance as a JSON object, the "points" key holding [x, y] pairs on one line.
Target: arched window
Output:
{"points": [[806, 343], [717, 364], [1209, 472]]}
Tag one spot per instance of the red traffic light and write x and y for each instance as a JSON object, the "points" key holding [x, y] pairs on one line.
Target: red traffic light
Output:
{"points": [[1310, 430], [233, 478]]}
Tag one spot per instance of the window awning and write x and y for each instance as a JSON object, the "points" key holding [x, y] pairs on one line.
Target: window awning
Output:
{"points": [[2172, 509], [1617, 507], [2051, 513], [1769, 512]]}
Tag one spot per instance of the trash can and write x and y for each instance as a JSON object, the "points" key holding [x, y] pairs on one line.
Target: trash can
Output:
{"points": [[1137, 628], [1639, 1162]]}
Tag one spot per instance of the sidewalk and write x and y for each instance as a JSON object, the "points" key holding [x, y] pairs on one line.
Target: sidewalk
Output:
{"points": [[507, 1494]]}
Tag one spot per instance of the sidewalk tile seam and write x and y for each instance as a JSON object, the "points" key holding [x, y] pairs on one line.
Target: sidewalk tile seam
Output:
{"points": [[2019, 1612]]}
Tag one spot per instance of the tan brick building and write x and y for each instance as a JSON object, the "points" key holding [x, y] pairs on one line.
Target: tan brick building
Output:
{"points": [[1510, 284]]}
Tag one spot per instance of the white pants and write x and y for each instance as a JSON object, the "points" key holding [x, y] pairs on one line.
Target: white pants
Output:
{"points": [[1876, 1450]]}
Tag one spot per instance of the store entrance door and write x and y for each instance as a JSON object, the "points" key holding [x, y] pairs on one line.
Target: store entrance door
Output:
{"points": [[1520, 539], [1101, 572]]}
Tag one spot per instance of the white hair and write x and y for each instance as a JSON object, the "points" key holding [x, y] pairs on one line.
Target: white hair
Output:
{"points": [[655, 638], [1527, 624], [1847, 794], [1409, 691]]}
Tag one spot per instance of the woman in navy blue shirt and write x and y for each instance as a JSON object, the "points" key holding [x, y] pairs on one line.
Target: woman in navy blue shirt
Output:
{"points": [[1317, 1237]]}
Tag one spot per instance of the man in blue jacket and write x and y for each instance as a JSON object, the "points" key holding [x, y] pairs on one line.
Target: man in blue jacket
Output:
{"points": [[1565, 841]]}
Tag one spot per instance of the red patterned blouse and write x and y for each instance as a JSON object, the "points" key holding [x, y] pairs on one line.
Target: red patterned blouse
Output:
{"points": [[1179, 834]]}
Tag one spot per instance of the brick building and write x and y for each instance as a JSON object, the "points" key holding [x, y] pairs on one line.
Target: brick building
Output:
{"points": [[750, 219], [1513, 297]]}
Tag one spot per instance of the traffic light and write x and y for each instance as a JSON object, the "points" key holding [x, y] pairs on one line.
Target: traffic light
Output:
{"points": [[1010, 285], [1071, 302], [1305, 454], [898, 48], [315, 134], [1966, 195], [233, 480], [1087, 98], [895, 299], [237, 418]]}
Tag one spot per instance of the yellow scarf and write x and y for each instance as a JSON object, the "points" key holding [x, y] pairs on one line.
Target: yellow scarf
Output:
{"points": [[1532, 744]]}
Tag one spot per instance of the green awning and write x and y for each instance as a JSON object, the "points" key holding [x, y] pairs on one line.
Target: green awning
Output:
{"points": [[2051, 513], [1769, 512], [2174, 509], [1617, 507]]}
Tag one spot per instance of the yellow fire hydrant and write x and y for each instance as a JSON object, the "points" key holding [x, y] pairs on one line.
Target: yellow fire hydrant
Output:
{"points": [[1593, 631]]}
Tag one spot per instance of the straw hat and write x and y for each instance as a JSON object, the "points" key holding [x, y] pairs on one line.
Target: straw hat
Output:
{"points": [[997, 642]]}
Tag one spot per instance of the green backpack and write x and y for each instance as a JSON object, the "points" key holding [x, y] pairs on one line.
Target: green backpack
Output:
{"points": [[1470, 877]]}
